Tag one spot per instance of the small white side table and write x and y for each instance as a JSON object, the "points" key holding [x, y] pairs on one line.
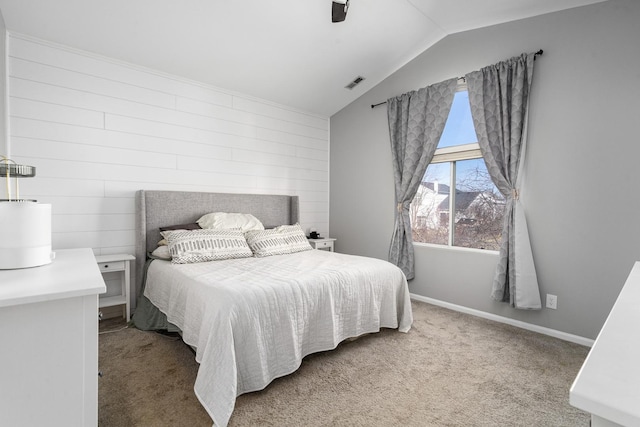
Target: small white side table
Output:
{"points": [[117, 262], [325, 243]]}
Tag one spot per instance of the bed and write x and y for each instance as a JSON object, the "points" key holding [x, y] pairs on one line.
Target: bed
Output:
{"points": [[252, 319]]}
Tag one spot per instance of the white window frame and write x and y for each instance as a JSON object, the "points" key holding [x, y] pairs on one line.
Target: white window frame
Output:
{"points": [[452, 155]]}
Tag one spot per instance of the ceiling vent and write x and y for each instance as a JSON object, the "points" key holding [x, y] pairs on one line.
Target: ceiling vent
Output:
{"points": [[354, 83]]}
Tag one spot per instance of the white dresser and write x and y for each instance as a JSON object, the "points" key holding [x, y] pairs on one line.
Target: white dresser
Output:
{"points": [[49, 342], [608, 384]]}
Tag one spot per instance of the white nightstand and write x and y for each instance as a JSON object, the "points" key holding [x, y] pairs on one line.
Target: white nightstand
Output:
{"points": [[325, 243], [112, 263]]}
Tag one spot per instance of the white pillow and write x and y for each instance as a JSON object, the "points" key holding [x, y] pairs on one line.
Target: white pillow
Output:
{"points": [[230, 221], [286, 239], [162, 252], [191, 246]]}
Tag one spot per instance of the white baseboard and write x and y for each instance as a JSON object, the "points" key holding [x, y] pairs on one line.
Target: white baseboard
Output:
{"points": [[513, 322]]}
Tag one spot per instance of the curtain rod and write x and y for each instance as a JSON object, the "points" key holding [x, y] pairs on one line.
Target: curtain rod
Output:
{"points": [[535, 55]]}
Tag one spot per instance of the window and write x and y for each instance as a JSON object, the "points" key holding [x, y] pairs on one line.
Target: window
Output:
{"points": [[457, 204]]}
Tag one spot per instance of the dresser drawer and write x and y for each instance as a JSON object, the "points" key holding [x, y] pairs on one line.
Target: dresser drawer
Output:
{"points": [[105, 267], [327, 244]]}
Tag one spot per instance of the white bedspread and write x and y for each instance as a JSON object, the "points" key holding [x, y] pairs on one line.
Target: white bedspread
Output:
{"points": [[253, 320]]}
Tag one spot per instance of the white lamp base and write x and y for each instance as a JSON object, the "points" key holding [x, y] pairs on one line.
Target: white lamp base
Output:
{"points": [[25, 235]]}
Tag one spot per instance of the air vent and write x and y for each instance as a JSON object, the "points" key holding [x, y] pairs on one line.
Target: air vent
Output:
{"points": [[354, 83]]}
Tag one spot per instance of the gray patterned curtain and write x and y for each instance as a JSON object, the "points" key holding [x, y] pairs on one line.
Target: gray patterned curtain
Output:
{"points": [[499, 98], [416, 122]]}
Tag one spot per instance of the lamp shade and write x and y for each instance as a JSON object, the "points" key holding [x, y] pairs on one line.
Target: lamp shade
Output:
{"points": [[25, 234]]}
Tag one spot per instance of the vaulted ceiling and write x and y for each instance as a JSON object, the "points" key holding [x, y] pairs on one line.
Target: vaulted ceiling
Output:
{"points": [[284, 51]]}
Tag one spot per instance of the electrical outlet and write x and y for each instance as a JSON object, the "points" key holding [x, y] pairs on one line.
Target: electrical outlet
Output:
{"points": [[552, 301]]}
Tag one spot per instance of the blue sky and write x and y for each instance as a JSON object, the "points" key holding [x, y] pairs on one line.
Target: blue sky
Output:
{"points": [[458, 130]]}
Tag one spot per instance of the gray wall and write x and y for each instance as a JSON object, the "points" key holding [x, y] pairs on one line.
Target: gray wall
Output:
{"points": [[583, 205], [4, 145]]}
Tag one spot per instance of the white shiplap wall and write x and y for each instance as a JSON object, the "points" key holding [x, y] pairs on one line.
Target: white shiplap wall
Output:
{"points": [[97, 130]]}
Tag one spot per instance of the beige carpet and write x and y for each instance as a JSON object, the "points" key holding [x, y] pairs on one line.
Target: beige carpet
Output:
{"points": [[451, 369]]}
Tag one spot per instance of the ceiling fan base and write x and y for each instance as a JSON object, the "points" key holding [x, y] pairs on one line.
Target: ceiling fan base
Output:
{"points": [[339, 10]]}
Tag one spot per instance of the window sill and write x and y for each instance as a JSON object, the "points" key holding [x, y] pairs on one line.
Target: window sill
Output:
{"points": [[455, 248]]}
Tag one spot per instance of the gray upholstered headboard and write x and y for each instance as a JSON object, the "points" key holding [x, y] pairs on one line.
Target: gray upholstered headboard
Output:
{"points": [[155, 209]]}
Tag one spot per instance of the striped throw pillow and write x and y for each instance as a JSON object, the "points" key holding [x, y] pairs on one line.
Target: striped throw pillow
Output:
{"points": [[286, 239], [190, 246]]}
